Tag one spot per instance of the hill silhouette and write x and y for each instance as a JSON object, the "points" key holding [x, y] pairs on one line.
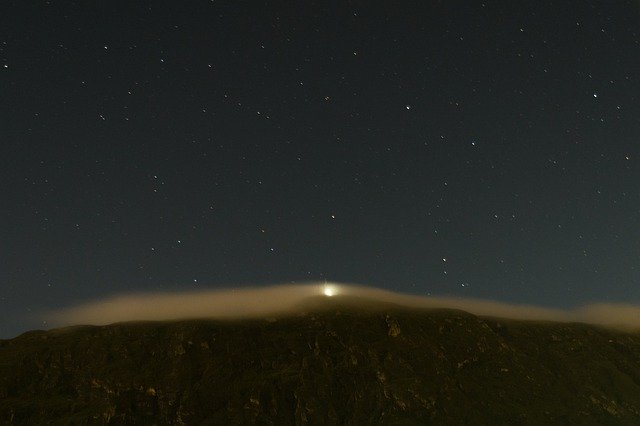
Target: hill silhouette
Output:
{"points": [[338, 360]]}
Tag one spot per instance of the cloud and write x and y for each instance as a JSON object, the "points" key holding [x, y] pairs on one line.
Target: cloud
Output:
{"points": [[290, 299]]}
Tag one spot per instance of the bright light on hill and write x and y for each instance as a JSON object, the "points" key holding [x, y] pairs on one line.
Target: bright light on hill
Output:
{"points": [[330, 290]]}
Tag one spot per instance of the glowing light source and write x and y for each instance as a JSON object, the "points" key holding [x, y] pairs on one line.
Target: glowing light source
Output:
{"points": [[330, 290]]}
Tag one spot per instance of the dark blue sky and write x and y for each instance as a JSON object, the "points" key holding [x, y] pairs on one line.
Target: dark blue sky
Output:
{"points": [[477, 149]]}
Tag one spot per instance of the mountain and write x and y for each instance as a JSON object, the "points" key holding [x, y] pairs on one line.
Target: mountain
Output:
{"points": [[336, 361]]}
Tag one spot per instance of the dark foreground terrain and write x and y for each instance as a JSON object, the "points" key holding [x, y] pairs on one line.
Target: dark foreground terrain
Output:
{"points": [[337, 364]]}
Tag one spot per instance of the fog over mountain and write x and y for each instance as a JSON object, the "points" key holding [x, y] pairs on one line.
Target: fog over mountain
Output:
{"points": [[290, 299]]}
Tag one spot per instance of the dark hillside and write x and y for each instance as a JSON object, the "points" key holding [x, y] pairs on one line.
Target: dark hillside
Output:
{"points": [[339, 363]]}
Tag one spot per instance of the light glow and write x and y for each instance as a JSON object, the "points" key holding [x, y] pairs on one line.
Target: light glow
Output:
{"points": [[330, 290]]}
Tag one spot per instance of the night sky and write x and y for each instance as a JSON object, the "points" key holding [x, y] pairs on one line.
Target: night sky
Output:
{"points": [[474, 149]]}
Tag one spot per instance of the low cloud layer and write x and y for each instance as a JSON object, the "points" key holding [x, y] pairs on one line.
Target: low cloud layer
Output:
{"points": [[289, 299]]}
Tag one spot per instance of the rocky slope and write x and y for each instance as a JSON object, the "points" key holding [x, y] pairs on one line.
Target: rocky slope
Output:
{"points": [[339, 363]]}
